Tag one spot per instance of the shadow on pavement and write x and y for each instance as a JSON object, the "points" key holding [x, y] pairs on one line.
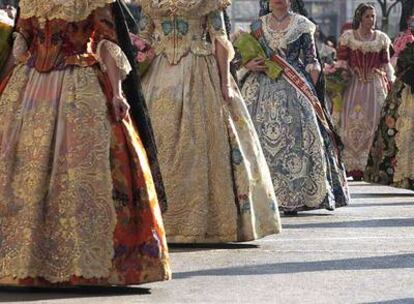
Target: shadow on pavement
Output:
{"points": [[399, 301], [25, 294], [307, 214], [393, 222], [376, 195], [178, 247], [391, 204], [368, 263]]}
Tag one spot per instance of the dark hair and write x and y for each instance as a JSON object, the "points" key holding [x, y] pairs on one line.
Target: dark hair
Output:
{"points": [[359, 12], [333, 40], [297, 6]]}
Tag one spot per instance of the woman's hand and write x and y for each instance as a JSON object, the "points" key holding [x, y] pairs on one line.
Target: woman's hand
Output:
{"points": [[227, 91], [120, 107], [256, 65]]}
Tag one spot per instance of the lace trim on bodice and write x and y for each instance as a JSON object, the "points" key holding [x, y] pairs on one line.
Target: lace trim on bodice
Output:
{"points": [[381, 42], [68, 10], [281, 39], [175, 30], [195, 8]]}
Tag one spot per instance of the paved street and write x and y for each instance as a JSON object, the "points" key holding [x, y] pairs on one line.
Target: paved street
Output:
{"points": [[360, 254]]}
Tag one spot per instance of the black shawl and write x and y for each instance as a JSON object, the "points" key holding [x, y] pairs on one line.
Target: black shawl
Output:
{"points": [[125, 23]]}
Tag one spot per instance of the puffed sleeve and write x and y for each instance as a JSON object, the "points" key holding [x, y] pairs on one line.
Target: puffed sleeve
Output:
{"points": [[309, 53], [23, 37], [217, 30], [343, 51], [105, 42], [146, 28], [386, 61]]}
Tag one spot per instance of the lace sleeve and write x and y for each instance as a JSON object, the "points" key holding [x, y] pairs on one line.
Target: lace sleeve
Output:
{"points": [[309, 51], [105, 48], [217, 31], [22, 39], [388, 68], [105, 43], [20, 47]]}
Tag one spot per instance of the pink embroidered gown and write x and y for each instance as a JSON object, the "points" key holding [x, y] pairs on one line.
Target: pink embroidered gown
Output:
{"points": [[369, 65]]}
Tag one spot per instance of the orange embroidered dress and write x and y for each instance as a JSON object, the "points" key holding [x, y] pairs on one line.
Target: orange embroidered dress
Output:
{"points": [[78, 204]]}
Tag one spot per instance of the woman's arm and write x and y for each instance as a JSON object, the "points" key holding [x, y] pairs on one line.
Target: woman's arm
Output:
{"points": [[387, 66], [313, 67], [223, 51], [112, 59]]}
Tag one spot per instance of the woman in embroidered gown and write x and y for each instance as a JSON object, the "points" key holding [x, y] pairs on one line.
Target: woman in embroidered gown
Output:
{"points": [[295, 132], [78, 204], [217, 182], [390, 161], [364, 52]]}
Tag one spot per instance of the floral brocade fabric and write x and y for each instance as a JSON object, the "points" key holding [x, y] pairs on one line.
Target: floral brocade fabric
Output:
{"points": [[217, 182], [306, 172], [78, 205], [390, 161]]}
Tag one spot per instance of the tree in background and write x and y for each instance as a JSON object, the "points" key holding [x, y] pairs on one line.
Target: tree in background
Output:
{"points": [[386, 8]]}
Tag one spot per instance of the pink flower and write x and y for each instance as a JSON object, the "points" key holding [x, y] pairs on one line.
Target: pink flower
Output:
{"points": [[141, 57], [390, 122], [329, 69], [138, 42], [401, 43]]}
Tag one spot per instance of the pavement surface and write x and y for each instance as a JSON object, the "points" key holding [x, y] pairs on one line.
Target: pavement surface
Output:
{"points": [[361, 254]]}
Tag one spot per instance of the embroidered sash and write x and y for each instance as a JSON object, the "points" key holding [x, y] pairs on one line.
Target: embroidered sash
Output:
{"points": [[296, 79], [291, 75]]}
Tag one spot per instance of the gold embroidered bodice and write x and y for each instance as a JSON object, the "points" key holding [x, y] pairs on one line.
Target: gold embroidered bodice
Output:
{"points": [[177, 27], [55, 35]]}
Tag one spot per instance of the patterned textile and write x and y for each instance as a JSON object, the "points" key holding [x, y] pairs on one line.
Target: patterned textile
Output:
{"points": [[390, 160], [78, 204], [369, 64], [218, 185], [305, 168]]}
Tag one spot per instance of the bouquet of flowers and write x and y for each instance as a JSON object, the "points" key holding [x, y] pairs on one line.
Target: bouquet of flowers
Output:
{"points": [[337, 80], [337, 77], [144, 53], [249, 48]]}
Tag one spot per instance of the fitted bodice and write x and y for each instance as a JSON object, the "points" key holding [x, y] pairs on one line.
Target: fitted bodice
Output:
{"points": [[295, 43], [54, 41], [365, 58], [176, 36], [175, 28], [57, 43]]}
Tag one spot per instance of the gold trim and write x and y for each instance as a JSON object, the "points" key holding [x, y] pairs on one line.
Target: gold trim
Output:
{"points": [[182, 7], [68, 10]]}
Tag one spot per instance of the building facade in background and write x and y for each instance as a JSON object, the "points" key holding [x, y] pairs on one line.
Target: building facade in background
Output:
{"points": [[329, 14]]}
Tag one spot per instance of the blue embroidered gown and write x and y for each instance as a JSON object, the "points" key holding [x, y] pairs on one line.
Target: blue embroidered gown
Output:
{"points": [[302, 156]]}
